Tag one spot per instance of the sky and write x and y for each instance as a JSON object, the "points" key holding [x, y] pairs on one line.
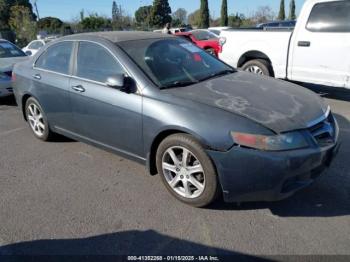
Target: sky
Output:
{"points": [[67, 10]]}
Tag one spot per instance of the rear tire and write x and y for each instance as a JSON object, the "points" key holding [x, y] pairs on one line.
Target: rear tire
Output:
{"points": [[193, 179], [258, 66], [37, 120]]}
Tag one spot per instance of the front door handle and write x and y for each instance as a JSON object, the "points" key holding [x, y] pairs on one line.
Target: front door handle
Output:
{"points": [[37, 76], [78, 88], [304, 43]]}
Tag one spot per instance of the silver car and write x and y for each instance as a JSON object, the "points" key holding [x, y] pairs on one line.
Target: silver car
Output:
{"points": [[9, 56]]}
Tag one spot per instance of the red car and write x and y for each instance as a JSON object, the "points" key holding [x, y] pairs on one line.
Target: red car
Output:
{"points": [[204, 39]]}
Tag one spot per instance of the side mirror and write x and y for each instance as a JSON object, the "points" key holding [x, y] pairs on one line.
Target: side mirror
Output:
{"points": [[28, 53], [122, 83]]}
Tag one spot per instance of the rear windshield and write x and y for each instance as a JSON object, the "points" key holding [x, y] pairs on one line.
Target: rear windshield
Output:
{"points": [[9, 50]]}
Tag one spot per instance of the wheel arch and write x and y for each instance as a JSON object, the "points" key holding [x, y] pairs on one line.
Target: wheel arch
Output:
{"points": [[25, 97], [151, 155], [254, 54]]}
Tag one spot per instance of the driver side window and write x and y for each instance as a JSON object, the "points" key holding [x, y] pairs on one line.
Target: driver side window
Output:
{"points": [[94, 62]]}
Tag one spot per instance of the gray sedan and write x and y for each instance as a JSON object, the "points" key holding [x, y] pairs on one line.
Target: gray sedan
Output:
{"points": [[9, 55], [206, 128]]}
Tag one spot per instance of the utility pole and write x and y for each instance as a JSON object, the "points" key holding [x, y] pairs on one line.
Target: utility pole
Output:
{"points": [[36, 9]]}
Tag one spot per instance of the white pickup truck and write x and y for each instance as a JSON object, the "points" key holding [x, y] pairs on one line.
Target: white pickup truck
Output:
{"points": [[317, 50]]}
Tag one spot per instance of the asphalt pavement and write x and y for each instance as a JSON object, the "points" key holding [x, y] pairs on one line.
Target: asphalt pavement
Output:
{"points": [[66, 197]]}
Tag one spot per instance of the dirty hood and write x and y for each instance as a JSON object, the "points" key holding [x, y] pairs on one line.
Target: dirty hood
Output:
{"points": [[276, 104], [6, 64]]}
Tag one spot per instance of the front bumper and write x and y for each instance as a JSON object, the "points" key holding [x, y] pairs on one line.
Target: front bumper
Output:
{"points": [[5, 87], [252, 175]]}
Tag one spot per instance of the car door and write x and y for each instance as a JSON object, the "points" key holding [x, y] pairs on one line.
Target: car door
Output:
{"points": [[321, 49], [50, 82], [104, 115]]}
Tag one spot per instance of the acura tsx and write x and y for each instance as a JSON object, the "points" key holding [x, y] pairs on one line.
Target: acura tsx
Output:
{"points": [[206, 128]]}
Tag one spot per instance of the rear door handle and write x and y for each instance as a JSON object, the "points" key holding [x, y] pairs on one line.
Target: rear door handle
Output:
{"points": [[304, 43], [37, 76], [78, 88]]}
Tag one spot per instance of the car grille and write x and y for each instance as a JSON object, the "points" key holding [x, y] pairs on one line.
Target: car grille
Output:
{"points": [[324, 132], [10, 89]]}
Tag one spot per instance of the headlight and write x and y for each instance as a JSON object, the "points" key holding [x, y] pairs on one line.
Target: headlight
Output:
{"points": [[287, 141]]}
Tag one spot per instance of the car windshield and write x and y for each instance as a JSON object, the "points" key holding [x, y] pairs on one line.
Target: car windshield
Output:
{"points": [[203, 35], [9, 50], [174, 62]]}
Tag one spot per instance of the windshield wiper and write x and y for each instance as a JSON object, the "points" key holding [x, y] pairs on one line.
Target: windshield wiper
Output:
{"points": [[220, 73], [178, 84]]}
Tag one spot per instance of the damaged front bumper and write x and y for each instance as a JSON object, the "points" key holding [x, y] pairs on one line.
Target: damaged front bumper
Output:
{"points": [[253, 175]]}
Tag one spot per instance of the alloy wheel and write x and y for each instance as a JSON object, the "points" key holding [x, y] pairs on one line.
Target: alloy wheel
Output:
{"points": [[36, 119], [254, 69], [183, 172]]}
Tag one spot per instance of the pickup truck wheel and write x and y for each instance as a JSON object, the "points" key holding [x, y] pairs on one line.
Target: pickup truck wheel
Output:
{"points": [[258, 66]]}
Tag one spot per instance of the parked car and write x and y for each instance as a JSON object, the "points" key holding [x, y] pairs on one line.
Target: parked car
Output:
{"points": [[217, 30], [33, 47], [317, 51], [9, 55], [274, 24], [206, 128], [204, 39]]}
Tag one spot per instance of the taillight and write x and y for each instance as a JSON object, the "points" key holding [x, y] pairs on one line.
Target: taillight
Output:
{"points": [[13, 77]]}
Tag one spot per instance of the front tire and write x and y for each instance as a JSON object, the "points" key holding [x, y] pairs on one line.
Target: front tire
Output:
{"points": [[258, 66], [186, 170], [37, 120]]}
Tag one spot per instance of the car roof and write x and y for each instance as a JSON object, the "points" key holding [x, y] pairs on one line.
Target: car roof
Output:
{"points": [[117, 36]]}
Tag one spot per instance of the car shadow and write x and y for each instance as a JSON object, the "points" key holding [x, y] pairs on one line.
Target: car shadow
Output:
{"points": [[134, 242], [8, 101], [329, 196]]}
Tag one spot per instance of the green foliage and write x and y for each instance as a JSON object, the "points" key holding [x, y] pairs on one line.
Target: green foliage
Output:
{"points": [[204, 14], [194, 18], [160, 13], [282, 12], [292, 15], [95, 23], [52, 25], [21, 22], [5, 11], [142, 15], [239, 20], [224, 16]]}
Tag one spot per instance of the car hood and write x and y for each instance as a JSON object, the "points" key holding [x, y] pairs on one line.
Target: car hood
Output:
{"points": [[6, 64], [275, 104]]}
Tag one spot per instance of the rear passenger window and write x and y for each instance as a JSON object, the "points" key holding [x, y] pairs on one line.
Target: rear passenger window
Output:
{"points": [[96, 63], [56, 58], [330, 17]]}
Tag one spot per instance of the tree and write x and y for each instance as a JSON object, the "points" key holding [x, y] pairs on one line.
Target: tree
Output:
{"points": [[94, 22], [180, 15], [5, 10], [292, 15], [282, 12], [114, 11], [194, 18], [21, 22], [160, 13], [263, 14], [50, 24], [204, 14], [142, 15], [224, 16]]}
